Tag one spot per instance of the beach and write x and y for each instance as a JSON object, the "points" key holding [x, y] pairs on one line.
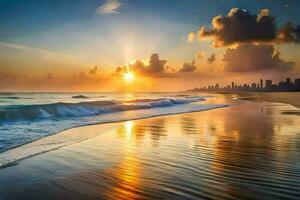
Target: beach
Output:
{"points": [[149, 100], [248, 150], [281, 97]]}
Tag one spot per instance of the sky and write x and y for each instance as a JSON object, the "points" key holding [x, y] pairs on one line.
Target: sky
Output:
{"points": [[169, 45]]}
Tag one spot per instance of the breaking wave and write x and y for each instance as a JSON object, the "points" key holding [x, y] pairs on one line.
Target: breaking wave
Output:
{"points": [[82, 109]]}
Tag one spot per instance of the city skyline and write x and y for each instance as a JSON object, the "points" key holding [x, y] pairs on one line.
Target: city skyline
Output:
{"points": [[262, 86]]}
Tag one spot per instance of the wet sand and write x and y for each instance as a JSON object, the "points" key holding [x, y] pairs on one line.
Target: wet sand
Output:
{"points": [[246, 151], [292, 98]]}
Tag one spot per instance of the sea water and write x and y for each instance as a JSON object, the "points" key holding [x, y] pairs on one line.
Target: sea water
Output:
{"points": [[25, 117]]}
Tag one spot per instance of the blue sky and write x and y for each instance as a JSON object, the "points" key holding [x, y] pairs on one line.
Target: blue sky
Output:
{"points": [[27, 21], [73, 29]]}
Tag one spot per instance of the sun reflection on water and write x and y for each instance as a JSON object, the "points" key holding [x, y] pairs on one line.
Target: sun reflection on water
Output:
{"points": [[129, 168], [128, 128]]}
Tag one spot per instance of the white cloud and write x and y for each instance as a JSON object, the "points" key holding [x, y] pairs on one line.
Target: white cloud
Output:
{"points": [[191, 37], [110, 7]]}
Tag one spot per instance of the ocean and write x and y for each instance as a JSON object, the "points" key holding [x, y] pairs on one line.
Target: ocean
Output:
{"points": [[25, 117]]}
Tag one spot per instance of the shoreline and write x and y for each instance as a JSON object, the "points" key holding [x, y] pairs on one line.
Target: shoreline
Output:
{"points": [[44, 140], [291, 98], [79, 115], [283, 98]]}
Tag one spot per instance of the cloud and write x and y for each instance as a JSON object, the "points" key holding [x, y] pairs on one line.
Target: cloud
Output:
{"points": [[109, 7], [211, 58], [191, 37], [81, 75], [200, 54], [253, 57], [137, 67], [262, 13], [93, 70], [156, 67], [289, 33], [188, 67], [240, 26], [49, 76]]}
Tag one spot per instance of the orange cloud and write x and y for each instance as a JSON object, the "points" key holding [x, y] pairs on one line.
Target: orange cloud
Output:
{"points": [[251, 57], [191, 37]]}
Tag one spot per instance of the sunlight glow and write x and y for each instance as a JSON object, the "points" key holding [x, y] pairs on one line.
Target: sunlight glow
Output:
{"points": [[129, 77]]}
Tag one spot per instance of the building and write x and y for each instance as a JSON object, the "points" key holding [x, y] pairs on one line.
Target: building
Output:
{"points": [[268, 84], [283, 86], [297, 84]]}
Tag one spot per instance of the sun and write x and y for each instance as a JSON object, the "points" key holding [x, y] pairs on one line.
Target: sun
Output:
{"points": [[129, 77]]}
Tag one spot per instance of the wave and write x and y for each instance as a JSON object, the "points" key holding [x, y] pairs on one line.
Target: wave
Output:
{"points": [[10, 97], [70, 136], [80, 97], [82, 109], [14, 97]]}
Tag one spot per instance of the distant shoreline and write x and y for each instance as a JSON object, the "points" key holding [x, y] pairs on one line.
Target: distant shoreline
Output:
{"points": [[291, 98]]}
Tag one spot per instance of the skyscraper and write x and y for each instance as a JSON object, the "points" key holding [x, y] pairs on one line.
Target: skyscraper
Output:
{"points": [[297, 84], [268, 84]]}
